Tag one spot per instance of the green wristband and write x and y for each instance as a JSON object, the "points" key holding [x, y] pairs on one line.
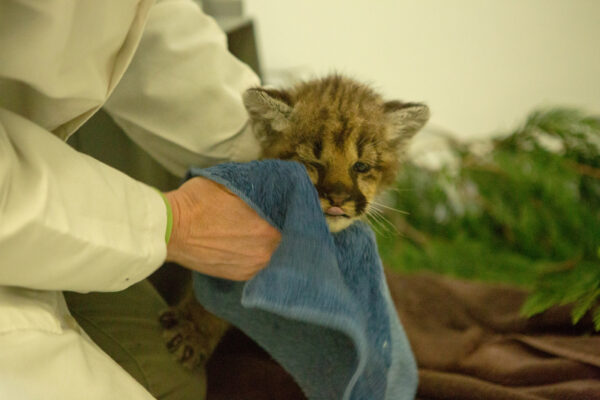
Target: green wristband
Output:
{"points": [[169, 217]]}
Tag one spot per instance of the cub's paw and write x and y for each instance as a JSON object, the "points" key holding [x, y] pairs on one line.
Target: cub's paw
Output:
{"points": [[188, 343]]}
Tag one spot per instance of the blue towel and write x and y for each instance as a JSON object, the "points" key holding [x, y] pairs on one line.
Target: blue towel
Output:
{"points": [[321, 308]]}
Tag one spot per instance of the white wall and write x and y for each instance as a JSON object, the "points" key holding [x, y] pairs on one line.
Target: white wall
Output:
{"points": [[481, 65]]}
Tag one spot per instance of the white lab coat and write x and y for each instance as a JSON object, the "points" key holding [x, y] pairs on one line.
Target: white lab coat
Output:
{"points": [[69, 222]]}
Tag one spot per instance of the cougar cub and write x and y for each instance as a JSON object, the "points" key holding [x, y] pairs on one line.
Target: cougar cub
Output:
{"points": [[349, 139]]}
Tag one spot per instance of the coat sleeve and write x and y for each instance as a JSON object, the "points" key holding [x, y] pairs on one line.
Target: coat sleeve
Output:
{"points": [[69, 222], [180, 98]]}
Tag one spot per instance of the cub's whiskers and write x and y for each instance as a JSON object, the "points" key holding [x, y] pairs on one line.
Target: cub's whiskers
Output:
{"points": [[377, 205], [379, 222]]}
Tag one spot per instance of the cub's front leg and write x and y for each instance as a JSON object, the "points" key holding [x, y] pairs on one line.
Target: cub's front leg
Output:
{"points": [[190, 332]]}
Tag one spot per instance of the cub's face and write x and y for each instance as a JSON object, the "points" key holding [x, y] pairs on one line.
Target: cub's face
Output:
{"points": [[346, 169], [347, 137]]}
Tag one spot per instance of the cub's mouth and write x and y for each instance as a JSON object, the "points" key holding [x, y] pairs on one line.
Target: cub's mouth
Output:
{"points": [[335, 212], [339, 216], [341, 209]]}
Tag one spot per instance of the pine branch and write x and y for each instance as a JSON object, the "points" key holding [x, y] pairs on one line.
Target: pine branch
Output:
{"points": [[512, 214]]}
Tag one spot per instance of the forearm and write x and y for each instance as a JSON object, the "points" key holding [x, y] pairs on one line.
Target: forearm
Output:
{"points": [[68, 222]]}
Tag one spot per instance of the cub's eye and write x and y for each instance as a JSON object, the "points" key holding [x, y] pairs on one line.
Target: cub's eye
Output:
{"points": [[361, 167]]}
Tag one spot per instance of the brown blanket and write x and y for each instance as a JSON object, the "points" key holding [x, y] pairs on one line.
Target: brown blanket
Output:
{"points": [[469, 341]]}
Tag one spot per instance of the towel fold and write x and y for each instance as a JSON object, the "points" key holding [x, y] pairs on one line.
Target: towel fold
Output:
{"points": [[322, 307]]}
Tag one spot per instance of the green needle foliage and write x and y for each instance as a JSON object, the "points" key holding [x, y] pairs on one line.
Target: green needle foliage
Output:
{"points": [[525, 210]]}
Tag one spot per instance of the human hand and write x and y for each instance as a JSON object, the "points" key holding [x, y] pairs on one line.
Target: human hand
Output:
{"points": [[218, 234]]}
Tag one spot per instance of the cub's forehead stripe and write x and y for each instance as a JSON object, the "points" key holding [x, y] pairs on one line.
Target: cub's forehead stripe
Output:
{"points": [[339, 137]]}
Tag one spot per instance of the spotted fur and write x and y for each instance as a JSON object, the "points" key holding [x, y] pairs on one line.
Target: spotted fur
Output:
{"points": [[350, 140]]}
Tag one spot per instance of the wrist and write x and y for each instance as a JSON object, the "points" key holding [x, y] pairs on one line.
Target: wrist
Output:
{"points": [[175, 227], [169, 227]]}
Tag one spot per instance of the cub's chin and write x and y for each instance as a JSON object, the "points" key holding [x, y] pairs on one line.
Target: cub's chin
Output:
{"points": [[338, 223]]}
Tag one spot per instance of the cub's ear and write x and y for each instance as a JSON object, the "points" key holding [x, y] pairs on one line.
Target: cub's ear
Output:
{"points": [[268, 108], [405, 119]]}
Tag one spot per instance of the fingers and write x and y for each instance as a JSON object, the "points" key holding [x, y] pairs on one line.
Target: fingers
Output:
{"points": [[242, 270], [217, 233]]}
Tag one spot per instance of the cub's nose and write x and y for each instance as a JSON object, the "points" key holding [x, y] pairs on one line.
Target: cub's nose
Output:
{"points": [[337, 199]]}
